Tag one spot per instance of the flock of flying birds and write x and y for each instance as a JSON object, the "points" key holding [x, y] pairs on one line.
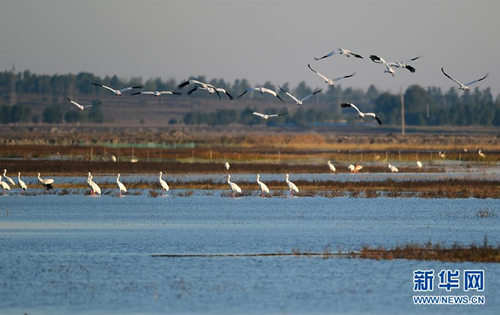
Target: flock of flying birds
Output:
{"points": [[202, 86]]}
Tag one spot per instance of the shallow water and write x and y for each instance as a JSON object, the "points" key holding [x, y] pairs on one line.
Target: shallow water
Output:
{"points": [[81, 254]]}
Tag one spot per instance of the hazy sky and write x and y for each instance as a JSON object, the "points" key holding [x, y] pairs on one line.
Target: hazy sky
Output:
{"points": [[258, 40]]}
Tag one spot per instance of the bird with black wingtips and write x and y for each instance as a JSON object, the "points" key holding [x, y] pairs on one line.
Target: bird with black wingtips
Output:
{"points": [[340, 51], [330, 82], [118, 92], [360, 113], [464, 87], [262, 90], [302, 100]]}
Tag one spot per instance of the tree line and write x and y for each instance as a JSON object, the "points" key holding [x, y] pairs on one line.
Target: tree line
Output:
{"points": [[423, 106]]}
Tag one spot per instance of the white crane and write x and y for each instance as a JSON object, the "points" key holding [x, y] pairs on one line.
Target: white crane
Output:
{"points": [[331, 82], [200, 85], [419, 164], [227, 166], [47, 183], [156, 93], [118, 92], [4, 185], [302, 100], [331, 166], [10, 180], [120, 185], [291, 186], [354, 169], [393, 168], [388, 68], [235, 188], [261, 90], [481, 154], [360, 113], [94, 188], [340, 51], [21, 183], [211, 90], [266, 116], [464, 87], [82, 107], [263, 187], [401, 64], [442, 155], [163, 184]]}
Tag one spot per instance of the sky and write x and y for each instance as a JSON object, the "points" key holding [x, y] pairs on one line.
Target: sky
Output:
{"points": [[261, 41]]}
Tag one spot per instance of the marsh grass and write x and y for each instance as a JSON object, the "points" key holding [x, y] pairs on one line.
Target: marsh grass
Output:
{"points": [[430, 251]]}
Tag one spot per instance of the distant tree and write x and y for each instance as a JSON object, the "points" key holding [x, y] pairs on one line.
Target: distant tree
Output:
{"points": [[172, 121], [96, 115], [4, 114], [52, 115], [19, 113], [72, 116]]}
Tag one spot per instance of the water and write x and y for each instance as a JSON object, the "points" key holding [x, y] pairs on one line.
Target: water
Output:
{"points": [[81, 254]]}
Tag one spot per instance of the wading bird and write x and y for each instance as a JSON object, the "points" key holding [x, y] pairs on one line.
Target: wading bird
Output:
{"points": [[82, 107], [378, 59], [121, 187], [331, 166], [419, 164], [9, 180], [360, 113], [4, 185], [393, 168], [265, 116], [261, 90], [263, 187], [464, 87], [157, 93], [302, 100], [94, 188], [481, 154], [118, 92], [442, 155], [235, 188], [354, 169], [47, 183], [227, 166], [21, 183], [331, 82], [340, 51], [291, 186], [163, 184]]}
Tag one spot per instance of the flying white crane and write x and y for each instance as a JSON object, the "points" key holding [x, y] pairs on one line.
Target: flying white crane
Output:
{"points": [[331, 166], [200, 85], [419, 164], [464, 87], [393, 168], [378, 59], [340, 51], [227, 166], [266, 116], [47, 183], [82, 107], [354, 169], [291, 186], [331, 82], [401, 64], [156, 93], [261, 90], [120, 185], [302, 100], [263, 187], [481, 154], [163, 184], [10, 180], [235, 188], [118, 92], [211, 90], [4, 185], [360, 113], [94, 188], [21, 183]]}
